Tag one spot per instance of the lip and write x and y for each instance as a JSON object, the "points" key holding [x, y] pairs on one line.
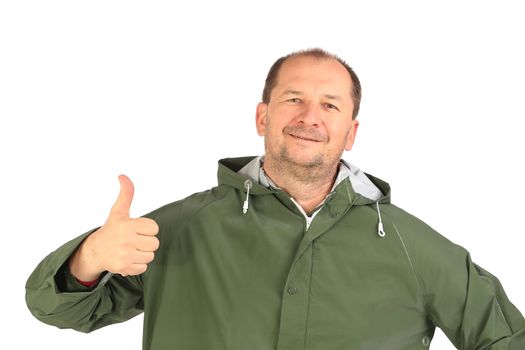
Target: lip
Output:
{"points": [[303, 137]]}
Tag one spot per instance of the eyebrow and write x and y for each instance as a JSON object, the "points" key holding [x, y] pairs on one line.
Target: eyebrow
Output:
{"points": [[292, 92], [333, 97], [299, 93]]}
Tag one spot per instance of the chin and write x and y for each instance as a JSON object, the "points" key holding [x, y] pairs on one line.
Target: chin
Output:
{"points": [[307, 161]]}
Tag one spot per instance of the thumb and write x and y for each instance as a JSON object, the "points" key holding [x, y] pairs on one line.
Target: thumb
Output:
{"points": [[123, 202]]}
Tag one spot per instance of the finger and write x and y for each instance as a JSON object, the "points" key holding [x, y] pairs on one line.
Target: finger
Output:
{"points": [[144, 226], [135, 269], [143, 257], [123, 202], [146, 243]]}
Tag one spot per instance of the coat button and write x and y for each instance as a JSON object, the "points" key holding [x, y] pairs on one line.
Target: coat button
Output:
{"points": [[292, 290], [426, 341]]}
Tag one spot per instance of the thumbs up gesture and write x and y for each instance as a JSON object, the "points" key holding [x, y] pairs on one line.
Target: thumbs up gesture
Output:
{"points": [[122, 245]]}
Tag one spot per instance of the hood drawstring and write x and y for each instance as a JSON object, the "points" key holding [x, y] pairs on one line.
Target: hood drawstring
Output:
{"points": [[247, 185], [380, 229]]}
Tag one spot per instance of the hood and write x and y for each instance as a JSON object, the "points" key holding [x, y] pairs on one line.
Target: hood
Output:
{"points": [[352, 186], [362, 188]]}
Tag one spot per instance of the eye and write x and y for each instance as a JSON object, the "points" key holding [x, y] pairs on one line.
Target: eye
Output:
{"points": [[294, 100], [331, 106]]}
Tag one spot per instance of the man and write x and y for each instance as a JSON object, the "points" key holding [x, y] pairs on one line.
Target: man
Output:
{"points": [[294, 250]]}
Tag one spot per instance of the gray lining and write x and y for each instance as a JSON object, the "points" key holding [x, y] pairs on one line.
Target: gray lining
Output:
{"points": [[360, 182]]}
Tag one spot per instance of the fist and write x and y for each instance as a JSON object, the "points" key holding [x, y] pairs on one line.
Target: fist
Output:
{"points": [[122, 245]]}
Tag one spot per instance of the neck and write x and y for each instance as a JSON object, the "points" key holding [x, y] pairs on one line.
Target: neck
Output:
{"points": [[308, 187]]}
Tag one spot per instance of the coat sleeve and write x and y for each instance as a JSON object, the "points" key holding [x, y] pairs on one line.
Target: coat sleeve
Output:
{"points": [[55, 297], [465, 301]]}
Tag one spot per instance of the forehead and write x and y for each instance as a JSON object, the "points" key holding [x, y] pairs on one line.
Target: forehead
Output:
{"points": [[305, 72]]}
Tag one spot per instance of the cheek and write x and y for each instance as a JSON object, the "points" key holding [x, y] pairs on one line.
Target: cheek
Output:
{"points": [[274, 125], [282, 115], [339, 134]]}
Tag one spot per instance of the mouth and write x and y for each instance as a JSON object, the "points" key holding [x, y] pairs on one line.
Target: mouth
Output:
{"points": [[304, 137]]}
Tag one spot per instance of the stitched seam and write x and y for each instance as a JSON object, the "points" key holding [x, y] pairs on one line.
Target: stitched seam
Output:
{"points": [[496, 297], [193, 214], [420, 289], [309, 297], [500, 309], [408, 256], [502, 314]]}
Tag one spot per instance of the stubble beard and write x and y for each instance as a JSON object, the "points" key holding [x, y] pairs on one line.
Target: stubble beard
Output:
{"points": [[314, 169]]}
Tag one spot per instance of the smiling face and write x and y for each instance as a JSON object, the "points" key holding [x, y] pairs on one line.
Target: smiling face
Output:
{"points": [[308, 120]]}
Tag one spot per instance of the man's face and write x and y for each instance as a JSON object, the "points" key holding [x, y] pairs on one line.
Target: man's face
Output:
{"points": [[308, 121]]}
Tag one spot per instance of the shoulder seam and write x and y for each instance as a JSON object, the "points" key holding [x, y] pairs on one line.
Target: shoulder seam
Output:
{"points": [[420, 289], [204, 205]]}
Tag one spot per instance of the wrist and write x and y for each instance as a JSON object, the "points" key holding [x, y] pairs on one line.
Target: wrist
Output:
{"points": [[83, 265]]}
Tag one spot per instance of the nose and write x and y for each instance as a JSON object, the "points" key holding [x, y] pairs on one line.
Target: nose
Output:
{"points": [[310, 115]]}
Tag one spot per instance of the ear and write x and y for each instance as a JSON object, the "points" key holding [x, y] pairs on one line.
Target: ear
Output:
{"points": [[351, 135], [260, 118]]}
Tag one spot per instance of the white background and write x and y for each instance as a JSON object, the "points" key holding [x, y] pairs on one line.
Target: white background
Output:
{"points": [[161, 90]]}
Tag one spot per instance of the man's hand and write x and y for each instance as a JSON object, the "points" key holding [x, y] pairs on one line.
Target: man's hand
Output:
{"points": [[122, 245]]}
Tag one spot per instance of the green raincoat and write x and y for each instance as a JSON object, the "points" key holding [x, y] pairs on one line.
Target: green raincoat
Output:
{"points": [[364, 275]]}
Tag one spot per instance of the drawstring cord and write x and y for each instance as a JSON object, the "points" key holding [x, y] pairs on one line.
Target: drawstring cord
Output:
{"points": [[380, 229], [247, 185]]}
